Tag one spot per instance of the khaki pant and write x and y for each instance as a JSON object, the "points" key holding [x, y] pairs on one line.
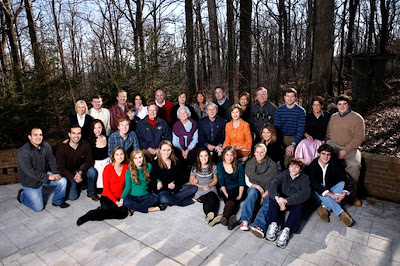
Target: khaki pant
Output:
{"points": [[287, 141], [352, 160]]}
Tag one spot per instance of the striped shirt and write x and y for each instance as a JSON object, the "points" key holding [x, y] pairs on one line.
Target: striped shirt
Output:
{"points": [[291, 122]]}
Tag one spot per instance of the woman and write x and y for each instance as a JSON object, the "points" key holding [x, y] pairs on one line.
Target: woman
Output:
{"points": [[200, 105], [204, 177], [237, 133], [98, 141], [288, 190], [185, 137], [113, 185], [166, 178], [260, 170], [182, 97], [82, 118], [135, 196], [275, 149], [140, 108], [316, 126], [231, 180], [244, 101]]}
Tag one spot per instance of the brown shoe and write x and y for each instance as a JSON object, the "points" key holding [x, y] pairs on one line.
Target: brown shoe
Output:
{"points": [[346, 218], [357, 202], [323, 214], [95, 197]]}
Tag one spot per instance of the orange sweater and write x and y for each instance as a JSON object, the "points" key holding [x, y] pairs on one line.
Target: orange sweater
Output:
{"points": [[240, 137]]}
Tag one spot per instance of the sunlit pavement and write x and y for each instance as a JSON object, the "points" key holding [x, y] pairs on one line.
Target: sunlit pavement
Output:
{"points": [[180, 236]]}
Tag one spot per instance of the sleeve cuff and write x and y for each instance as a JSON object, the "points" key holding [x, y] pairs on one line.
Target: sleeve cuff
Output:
{"points": [[324, 193]]}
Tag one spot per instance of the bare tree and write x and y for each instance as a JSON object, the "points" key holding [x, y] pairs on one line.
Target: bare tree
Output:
{"points": [[215, 57], [191, 81], [245, 45]]}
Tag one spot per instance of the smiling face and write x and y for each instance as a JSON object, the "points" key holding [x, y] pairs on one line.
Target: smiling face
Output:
{"points": [[183, 114], [200, 98], [75, 135], [324, 157], [80, 109], [266, 134], [343, 107], [235, 114], [97, 103], [317, 107], [259, 154], [243, 101], [119, 156], [160, 97], [211, 111], [262, 97], [138, 101], [36, 137], [182, 99], [138, 160], [204, 158], [121, 98], [152, 111], [97, 129], [228, 158], [290, 98], [219, 94], [123, 127], [165, 151]]}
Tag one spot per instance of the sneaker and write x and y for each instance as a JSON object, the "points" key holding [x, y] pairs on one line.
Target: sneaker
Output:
{"points": [[19, 195], [224, 221], [209, 217], [283, 239], [272, 231], [244, 226], [232, 222], [323, 214], [257, 231], [215, 221], [346, 219]]}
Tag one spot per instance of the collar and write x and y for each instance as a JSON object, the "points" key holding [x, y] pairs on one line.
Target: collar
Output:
{"points": [[294, 177], [160, 105], [326, 166], [33, 146], [222, 102], [348, 112]]}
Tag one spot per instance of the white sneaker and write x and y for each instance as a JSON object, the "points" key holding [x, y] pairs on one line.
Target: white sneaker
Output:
{"points": [[283, 239], [272, 231]]}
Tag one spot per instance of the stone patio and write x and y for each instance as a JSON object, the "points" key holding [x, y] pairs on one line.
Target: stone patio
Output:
{"points": [[180, 236]]}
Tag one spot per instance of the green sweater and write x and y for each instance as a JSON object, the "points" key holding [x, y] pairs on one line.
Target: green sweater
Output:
{"points": [[133, 189]]}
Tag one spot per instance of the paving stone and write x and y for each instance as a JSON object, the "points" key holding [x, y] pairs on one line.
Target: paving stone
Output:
{"points": [[395, 252], [328, 260], [271, 253], [16, 256], [251, 260], [46, 242], [380, 244], [363, 255], [356, 236], [248, 242], [186, 257], [310, 252], [291, 260], [105, 258], [339, 248], [193, 246], [31, 259], [53, 256], [7, 247]]}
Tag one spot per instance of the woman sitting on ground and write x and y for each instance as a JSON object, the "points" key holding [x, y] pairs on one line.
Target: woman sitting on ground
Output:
{"points": [[136, 196], [166, 178], [275, 148], [259, 171], [231, 180], [237, 133], [99, 145], [204, 177], [113, 185], [288, 191]]}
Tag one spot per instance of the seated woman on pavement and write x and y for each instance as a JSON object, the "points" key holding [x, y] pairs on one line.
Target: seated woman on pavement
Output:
{"points": [[316, 126], [204, 177], [287, 191], [275, 148], [328, 179], [167, 180], [231, 180], [136, 196], [238, 134], [113, 184], [259, 171]]}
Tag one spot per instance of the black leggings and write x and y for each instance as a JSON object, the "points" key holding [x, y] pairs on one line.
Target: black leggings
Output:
{"points": [[107, 210], [210, 202]]}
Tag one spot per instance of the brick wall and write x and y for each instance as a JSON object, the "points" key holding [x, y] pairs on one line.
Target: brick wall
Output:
{"points": [[8, 167], [382, 176]]}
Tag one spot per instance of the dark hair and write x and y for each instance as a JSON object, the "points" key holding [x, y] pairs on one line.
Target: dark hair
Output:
{"points": [[141, 97], [262, 89], [173, 158], [296, 161], [74, 126], [92, 136], [131, 108], [343, 97], [179, 94], [203, 94], [290, 90], [236, 106], [319, 99], [245, 93], [220, 87], [271, 128], [96, 96], [113, 153], [30, 132], [198, 163], [325, 147]]}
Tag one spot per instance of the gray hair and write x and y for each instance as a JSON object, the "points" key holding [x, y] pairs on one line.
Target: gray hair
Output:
{"points": [[185, 108], [212, 104]]}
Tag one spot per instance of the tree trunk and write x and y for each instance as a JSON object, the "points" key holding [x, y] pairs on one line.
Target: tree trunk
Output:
{"points": [[245, 45], [353, 5], [323, 48], [3, 54], [231, 43], [371, 25], [384, 28], [215, 62], [191, 81], [340, 86], [36, 50]]}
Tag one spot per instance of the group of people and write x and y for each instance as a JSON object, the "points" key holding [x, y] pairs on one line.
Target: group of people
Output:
{"points": [[146, 158]]}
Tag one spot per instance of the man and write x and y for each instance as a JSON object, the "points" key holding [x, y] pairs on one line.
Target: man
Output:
{"points": [[76, 163], [261, 112], [346, 132], [123, 137], [38, 168], [290, 121], [119, 110], [331, 186], [98, 112], [223, 103], [164, 107], [152, 130], [212, 131]]}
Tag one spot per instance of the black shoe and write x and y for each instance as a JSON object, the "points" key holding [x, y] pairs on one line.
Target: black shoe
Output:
{"points": [[62, 205], [224, 221], [130, 212], [83, 219], [232, 222], [19, 195], [162, 207]]}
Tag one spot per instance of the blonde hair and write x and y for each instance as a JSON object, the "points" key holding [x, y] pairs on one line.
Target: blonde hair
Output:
{"points": [[134, 169], [81, 102]]}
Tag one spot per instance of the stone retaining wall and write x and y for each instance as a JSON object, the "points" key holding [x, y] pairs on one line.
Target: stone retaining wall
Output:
{"points": [[381, 179]]}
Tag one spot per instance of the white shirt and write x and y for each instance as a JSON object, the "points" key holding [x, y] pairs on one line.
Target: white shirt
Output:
{"points": [[141, 114], [81, 120], [323, 176], [104, 116]]}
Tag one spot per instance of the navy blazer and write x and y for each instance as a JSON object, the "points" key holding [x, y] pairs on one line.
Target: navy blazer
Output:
{"points": [[87, 126], [205, 132], [150, 136]]}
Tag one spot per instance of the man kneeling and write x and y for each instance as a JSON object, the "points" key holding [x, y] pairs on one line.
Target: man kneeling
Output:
{"points": [[328, 179]]}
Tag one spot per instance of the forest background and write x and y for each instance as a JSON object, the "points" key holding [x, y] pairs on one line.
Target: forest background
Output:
{"points": [[54, 52]]}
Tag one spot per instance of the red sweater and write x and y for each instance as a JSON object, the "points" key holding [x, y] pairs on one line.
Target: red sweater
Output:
{"points": [[165, 112], [113, 184]]}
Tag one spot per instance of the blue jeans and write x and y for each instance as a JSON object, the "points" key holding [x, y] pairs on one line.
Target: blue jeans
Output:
{"points": [[262, 217], [33, 197], [141, 203], [75, 188], [331, 204], [248, 207], [181, 198]]}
